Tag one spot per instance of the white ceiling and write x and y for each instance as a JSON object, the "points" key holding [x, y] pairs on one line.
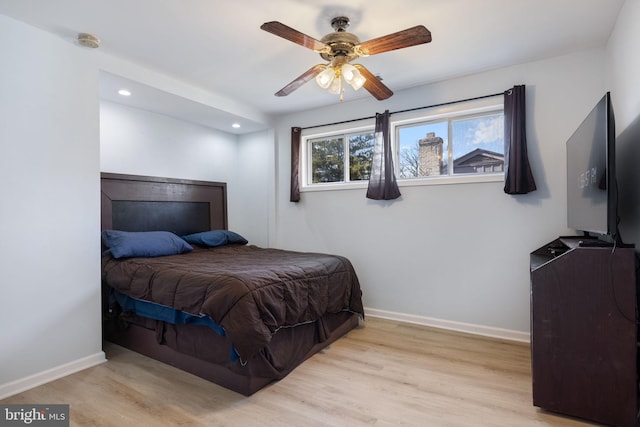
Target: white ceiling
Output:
{"points": [[217, 45]]}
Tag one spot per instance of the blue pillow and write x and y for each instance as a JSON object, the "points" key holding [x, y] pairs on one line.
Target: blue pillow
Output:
{"points": [[215, 238], [124, 244]]}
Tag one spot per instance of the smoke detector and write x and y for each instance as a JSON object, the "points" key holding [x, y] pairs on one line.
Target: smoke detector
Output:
{"points": [[88, 40]]}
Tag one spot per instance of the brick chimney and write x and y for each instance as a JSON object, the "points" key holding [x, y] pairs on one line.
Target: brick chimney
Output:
{"points": [[430, 155]]}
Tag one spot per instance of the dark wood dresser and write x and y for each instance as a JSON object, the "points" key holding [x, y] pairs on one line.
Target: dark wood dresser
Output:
{"points": [[583, 330]]}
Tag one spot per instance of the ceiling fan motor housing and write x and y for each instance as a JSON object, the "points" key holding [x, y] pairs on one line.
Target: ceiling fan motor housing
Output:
{"points": [[342, 44]]}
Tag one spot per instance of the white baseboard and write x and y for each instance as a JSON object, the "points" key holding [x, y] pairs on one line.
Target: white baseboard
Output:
{"points": [[486, 331], [23, 384]]}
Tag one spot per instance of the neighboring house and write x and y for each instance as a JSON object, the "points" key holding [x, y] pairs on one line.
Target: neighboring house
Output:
{"points": [[479, 161]]}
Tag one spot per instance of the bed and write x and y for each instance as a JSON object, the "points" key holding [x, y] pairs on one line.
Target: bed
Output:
{"points": [[233, 313]]}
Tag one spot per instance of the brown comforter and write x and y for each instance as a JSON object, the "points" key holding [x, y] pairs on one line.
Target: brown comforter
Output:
{"points": [[250, 291]]}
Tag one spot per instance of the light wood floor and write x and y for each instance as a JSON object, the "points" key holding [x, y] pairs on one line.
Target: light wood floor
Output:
{"points": [[384, 374]]}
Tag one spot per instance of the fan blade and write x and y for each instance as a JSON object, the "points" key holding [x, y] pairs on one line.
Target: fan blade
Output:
{"points": [[409, 37], [305, 77], [373, 85], [295, 36]]}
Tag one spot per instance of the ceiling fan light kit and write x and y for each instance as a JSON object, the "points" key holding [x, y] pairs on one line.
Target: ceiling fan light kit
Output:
{"points": [[325, 78], [352, 76], [332, 76], [339, 49]]}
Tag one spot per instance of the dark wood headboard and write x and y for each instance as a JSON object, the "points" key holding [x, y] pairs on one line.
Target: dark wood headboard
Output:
{"points": [[144, 203]]}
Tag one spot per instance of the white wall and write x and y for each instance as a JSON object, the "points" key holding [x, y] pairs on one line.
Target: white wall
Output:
{"points": [[139, 142], [254, 207], [50, 251], [623, 71], [450, 253]]}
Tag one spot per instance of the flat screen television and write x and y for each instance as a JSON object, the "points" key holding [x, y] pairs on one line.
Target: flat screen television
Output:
{"points": [[591, 175]]}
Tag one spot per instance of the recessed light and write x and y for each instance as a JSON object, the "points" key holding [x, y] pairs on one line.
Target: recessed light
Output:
{"points": [[124, 92], [235, 125]]}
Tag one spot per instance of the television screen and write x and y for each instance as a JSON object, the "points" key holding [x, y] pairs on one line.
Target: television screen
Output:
{"points": [[591, 204]]}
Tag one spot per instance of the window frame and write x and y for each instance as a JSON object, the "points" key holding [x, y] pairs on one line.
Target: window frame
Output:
{"points": [[460, 110]]}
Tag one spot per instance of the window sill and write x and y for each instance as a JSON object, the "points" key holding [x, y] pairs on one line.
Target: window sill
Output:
{"points": [[457, 179], [444, 180]]}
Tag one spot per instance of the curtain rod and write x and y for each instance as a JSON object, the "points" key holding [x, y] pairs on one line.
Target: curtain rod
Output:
{"points": [[407, 110]]}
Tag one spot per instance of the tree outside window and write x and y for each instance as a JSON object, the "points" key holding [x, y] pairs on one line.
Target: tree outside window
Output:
{"points": [[331, 158]]}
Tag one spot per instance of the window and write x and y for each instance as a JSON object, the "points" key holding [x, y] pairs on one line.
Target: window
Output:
{"points": [[341, 158], [471, 144], [463, 143]]}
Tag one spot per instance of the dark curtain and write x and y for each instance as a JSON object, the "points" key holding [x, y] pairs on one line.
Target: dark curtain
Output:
{"points": [[518, 178], [382, 182], [295, 164]]}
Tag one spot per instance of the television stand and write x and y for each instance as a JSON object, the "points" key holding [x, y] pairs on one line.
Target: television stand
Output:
{"points": [[583, 330], [595, 244]]}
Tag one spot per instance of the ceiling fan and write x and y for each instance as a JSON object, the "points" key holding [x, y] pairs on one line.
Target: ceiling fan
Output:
{"points": [[339, 49]]}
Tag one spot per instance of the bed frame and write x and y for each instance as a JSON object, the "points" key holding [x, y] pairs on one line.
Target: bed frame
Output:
{"points": [[142, 203]]}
